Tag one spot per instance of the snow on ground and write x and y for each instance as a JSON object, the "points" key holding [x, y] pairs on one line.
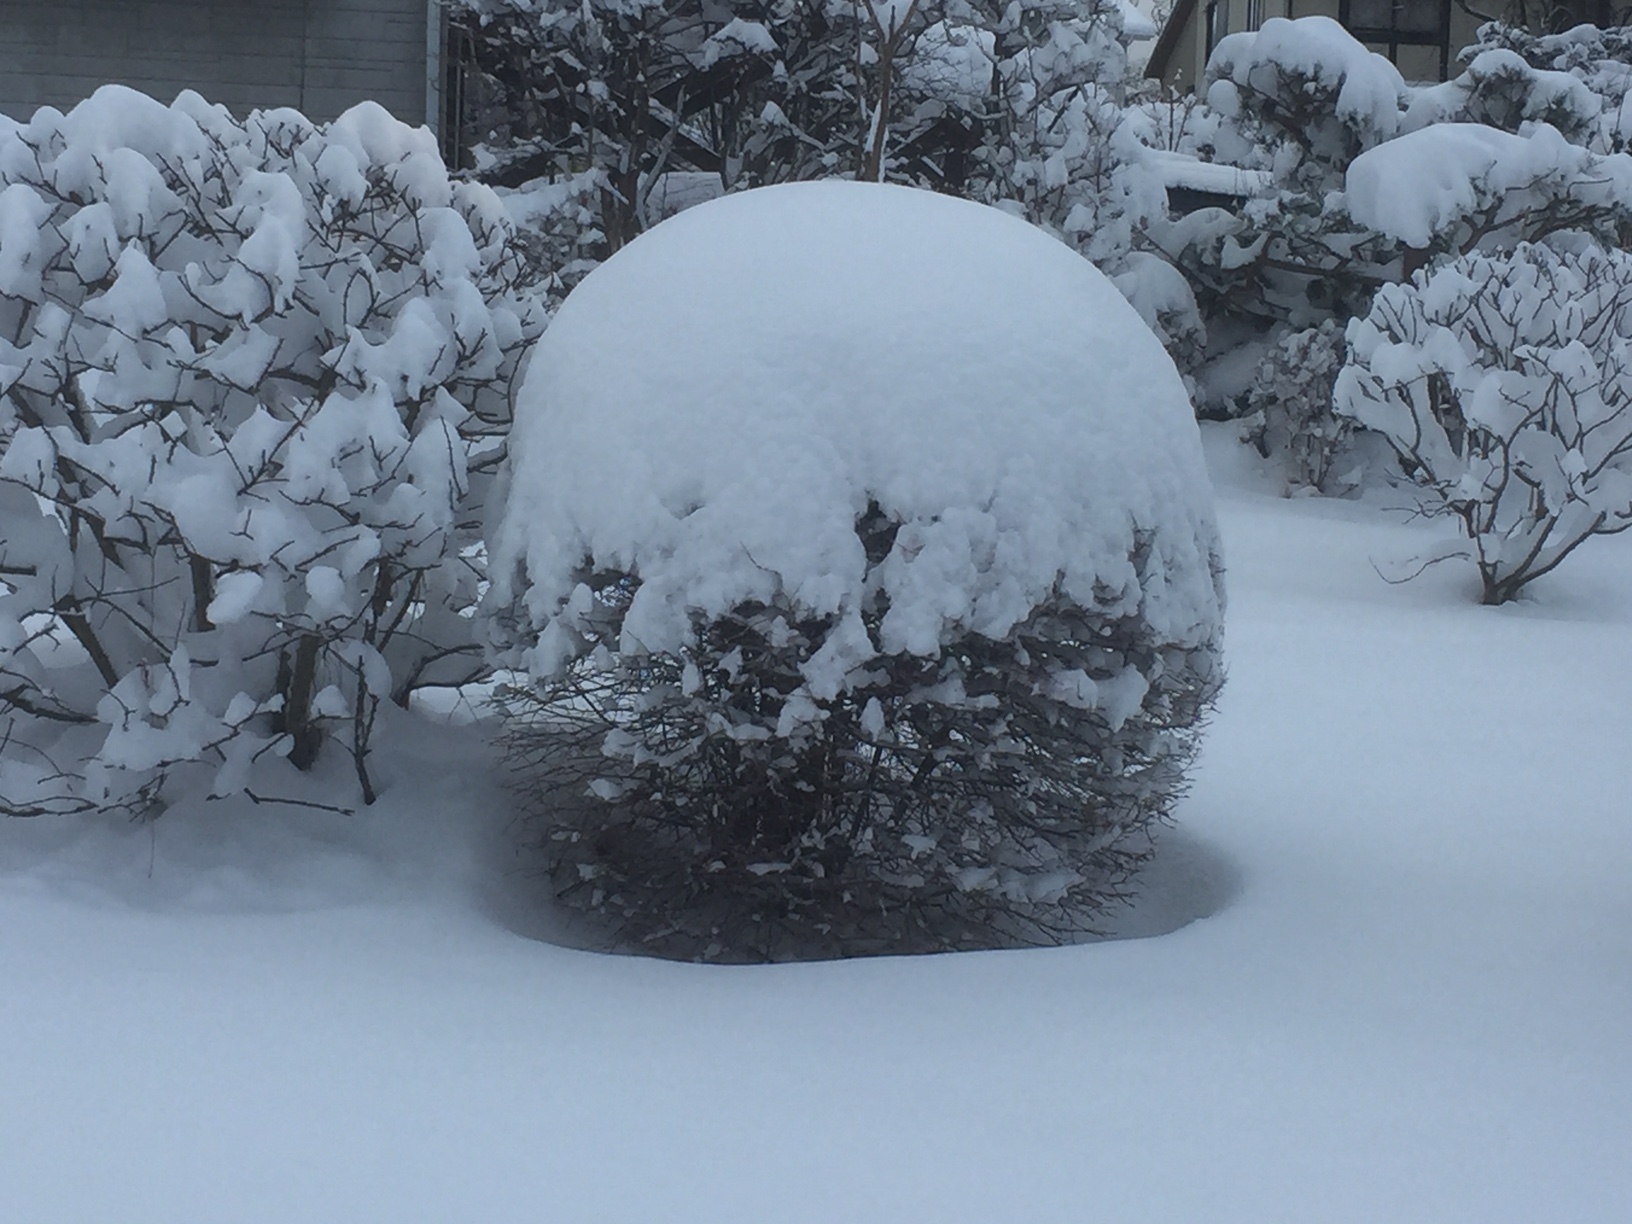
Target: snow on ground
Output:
{"points": [[1410, 1004]]}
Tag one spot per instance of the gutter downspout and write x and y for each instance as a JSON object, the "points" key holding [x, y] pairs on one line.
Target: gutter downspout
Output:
{"points": [[435, 39], [305, 53]]}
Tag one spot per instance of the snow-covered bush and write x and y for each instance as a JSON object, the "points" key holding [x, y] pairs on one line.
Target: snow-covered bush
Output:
{"points": [[1289, 413], [860, 548], [1306, 99], [1504, 382], [1459, 187], [1577, 80], [1373, 181], [1311, 91], [1500, 89], [1163, 299], [557, 229], [1079, 170], [251, 374]]}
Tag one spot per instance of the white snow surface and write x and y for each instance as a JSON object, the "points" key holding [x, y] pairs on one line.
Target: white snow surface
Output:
{"points": [[1407, 1001], [714, 407]]}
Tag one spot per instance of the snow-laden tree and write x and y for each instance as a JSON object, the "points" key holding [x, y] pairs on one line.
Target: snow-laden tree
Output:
{"points": [[1501, 89], [1309, 90], [1307, 99], [1068, 149], [1012, 103], [252, 377], [1453, 188], [871, 602], [1577, 80], [611, 95], [1504, 383]]}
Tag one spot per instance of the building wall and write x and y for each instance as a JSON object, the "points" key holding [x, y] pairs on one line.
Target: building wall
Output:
{"points": [[1189, 62], [318, 55]]}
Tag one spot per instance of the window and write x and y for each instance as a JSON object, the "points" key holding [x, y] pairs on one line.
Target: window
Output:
{"points": [[1218, 22], [1401, 23], [458, 68]]}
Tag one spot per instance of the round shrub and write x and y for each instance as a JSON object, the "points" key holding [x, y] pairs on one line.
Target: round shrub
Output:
{"points": [[860, 551]]}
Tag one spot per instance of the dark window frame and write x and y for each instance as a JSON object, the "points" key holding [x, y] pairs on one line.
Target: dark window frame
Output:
{"points": [[1393, 36], [458, 67], [1214, 9]]}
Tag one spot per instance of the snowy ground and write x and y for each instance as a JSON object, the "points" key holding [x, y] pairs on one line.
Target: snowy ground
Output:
{"points": [[1412, 829]]}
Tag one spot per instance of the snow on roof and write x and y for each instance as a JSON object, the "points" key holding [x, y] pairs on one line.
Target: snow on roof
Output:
{"points": [[715, 406], [1184, 171]]}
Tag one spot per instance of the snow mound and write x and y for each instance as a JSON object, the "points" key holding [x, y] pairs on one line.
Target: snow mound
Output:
{"points": [[715, 408]]}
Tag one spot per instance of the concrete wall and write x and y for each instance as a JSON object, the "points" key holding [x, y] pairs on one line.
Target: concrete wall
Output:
{"points": [[318, 55]]}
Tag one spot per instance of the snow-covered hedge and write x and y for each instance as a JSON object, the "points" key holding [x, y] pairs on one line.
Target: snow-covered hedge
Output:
{"points": [[860, 547], [1371, 180], [1299, 100], [246, 371], [1504, 382]]}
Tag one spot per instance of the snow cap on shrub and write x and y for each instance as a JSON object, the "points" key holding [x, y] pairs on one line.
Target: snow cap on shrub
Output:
{"points": [[715, 408]]}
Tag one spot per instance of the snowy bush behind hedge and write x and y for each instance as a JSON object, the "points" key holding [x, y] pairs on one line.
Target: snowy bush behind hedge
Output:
{"points": [[251, 377], [1577, 80], [1504, 382], [1459, 187]]}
